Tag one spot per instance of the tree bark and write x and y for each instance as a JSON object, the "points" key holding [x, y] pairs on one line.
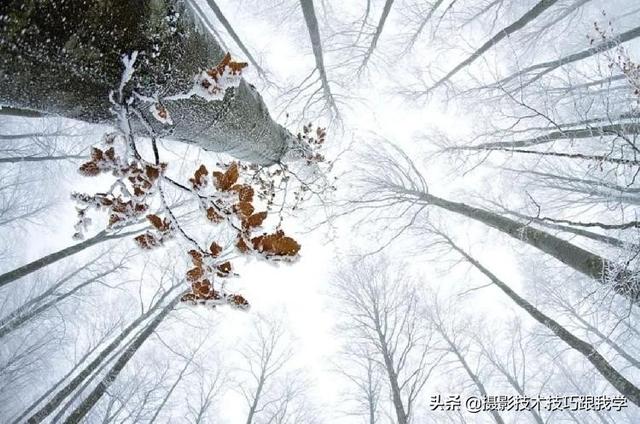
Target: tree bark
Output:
{"points": [[617, 380], [56, 60]]}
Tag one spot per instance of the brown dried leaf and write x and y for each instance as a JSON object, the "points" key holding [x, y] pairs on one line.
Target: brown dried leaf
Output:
{"points": [[215, 249], [195, 274], [276, 244], [213, 216], [255, 220], [196, 257], [245, 192], [156, 221], [224, 269], [199, 179], [244, 209], [241, 245], [89, 169], [225, 181]]}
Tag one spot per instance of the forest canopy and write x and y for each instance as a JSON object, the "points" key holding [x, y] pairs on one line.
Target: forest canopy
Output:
{"points": [[298, 211]]}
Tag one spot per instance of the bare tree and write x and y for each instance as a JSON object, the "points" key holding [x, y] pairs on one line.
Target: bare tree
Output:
{"points": [[273, 391], [381, 311], [401, 182]]}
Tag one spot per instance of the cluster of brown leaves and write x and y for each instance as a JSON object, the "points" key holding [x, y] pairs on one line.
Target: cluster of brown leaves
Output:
{"points": [[239, 208], [130, 203], [205, 267], [163, 229], [226, 67], [313, 140]]}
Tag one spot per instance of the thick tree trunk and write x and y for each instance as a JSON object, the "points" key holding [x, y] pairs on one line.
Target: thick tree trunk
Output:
{"points": [[577, 231], [617, 380], [65, 57], [70, 387], [590, 264], [89, 402], [396, 397], [54, 257]]}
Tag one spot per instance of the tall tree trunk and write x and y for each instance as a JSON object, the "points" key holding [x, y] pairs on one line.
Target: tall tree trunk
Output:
{"points": [[69, 388], [590, 264], [552, 65], [21, 159], [396, 396], [376, 36], [256, 398], [90, 401], [613, 129], [476, 380], [576, 156], [57, 60], [316, 45], [54, 257], [617, 380], [577, 231], [532, 14], [225, 23], [36, 402]]}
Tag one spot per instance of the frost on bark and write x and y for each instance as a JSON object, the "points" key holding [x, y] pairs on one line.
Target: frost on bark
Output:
{"points": [[65, 57]]}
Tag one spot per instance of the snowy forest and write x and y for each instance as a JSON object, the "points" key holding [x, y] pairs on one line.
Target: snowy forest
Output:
{"points": [[312, 212]]}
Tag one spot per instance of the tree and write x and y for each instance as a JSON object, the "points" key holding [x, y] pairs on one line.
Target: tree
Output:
{"points": [[49, 70], [274, 393], [381, 310], [615, 378], [402, 182]]}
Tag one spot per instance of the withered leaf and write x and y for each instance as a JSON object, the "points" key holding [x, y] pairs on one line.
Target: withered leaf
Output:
{"points": [[244, 209], [245, 192], [276, 244], [199, 179], [213, 216], [156, 221], [224, 269], [89, 169], [215, 249], [225, 181], [195, 274], [255, 220]]}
